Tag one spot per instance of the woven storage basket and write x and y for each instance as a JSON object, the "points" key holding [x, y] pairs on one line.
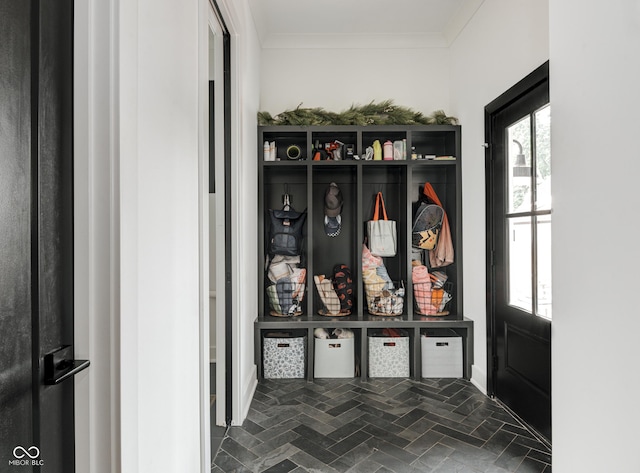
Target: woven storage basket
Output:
{"points": [[433, 302], [286, 300], [384, 301]]}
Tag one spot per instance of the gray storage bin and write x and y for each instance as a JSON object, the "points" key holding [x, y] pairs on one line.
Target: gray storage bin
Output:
{"points": [[284, 357], [334, 358], [441, 354], [388, 357]]}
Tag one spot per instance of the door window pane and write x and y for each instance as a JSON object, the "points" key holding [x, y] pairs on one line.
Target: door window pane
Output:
{"points": [[519, 257], [543, 296], [529, 287], [543, 158], [519, 166]]}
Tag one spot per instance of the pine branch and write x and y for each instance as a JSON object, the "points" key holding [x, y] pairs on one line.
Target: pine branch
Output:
{"points": [[382, 113]]}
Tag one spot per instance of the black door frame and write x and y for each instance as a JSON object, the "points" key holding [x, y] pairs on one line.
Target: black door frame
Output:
{"points": [[531, 81], [228, 266], [228, 280]]}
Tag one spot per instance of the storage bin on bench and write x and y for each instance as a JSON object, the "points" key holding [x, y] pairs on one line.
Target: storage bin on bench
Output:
{"points": [[334, 358], [284, 354], [441, 354], [388, 356]]}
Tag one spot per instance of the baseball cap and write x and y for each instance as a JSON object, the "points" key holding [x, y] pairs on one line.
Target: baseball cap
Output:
{"points": [[332, 210]]}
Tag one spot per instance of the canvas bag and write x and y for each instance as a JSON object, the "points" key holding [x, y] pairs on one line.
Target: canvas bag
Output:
{"points": [[381, 233], [285, 232]]}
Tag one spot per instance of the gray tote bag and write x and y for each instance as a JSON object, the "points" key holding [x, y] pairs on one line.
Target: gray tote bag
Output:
{"points": [[381, 232]]}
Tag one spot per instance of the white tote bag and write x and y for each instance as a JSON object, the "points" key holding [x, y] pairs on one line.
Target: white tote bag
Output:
{"points": [[381, 232]]}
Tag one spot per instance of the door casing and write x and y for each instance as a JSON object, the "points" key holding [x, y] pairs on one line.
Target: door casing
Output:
{"points": [[534, 80]]}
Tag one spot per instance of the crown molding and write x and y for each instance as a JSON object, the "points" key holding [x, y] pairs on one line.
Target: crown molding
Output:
{"points": [[355, 41]]}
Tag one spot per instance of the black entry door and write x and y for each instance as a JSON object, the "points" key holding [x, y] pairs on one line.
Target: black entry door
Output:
{"points": [[519, 250], [36, 236]]}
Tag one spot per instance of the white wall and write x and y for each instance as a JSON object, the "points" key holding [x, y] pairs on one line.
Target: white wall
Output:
{"points": [[502, 43], [595, 73], [157, 75], [96, 415], [334, 79]]}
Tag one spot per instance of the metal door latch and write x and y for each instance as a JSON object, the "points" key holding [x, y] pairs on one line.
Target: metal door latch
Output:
{"points": [[60, 365]]}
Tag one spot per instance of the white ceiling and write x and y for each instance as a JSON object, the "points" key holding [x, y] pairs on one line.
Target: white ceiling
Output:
{"points": [[360, 23]]}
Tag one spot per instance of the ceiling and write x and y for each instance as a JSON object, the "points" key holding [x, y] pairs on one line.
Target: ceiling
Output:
{"points": [[360, 23]]}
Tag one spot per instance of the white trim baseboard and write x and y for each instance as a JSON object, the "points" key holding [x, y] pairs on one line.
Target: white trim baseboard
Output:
{"points": [[252, 384], [477, 376]]}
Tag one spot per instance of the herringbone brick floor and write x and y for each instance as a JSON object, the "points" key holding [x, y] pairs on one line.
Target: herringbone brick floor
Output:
{"points": [[381, 425]]}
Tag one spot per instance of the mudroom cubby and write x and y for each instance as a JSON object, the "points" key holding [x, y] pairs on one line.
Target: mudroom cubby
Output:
{"points": [[306, 180], [326, 252]]}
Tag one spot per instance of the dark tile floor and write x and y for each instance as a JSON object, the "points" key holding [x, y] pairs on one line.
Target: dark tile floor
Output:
{"points": [[383, 425]]}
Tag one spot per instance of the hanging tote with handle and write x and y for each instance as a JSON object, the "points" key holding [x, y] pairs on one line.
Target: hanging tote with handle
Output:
{"points": [[381, 231]]}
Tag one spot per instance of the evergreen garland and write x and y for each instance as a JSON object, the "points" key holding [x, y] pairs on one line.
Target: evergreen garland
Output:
{"points": [[383, 113]]}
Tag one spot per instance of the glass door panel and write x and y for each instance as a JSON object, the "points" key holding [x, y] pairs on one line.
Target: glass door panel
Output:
{"points": [[543, 263], [519, 161], [519, 261], [543, 158]]}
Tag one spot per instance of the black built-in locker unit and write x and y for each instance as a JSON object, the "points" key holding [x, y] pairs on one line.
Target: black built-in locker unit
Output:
{"points": [[401, 182]]}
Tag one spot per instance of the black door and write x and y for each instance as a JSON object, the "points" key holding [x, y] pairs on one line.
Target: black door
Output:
{"points": [[519, 250], [36, 236]]}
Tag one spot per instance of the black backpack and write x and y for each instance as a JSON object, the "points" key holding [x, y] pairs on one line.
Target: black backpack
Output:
{"points": [[285, 231]]}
